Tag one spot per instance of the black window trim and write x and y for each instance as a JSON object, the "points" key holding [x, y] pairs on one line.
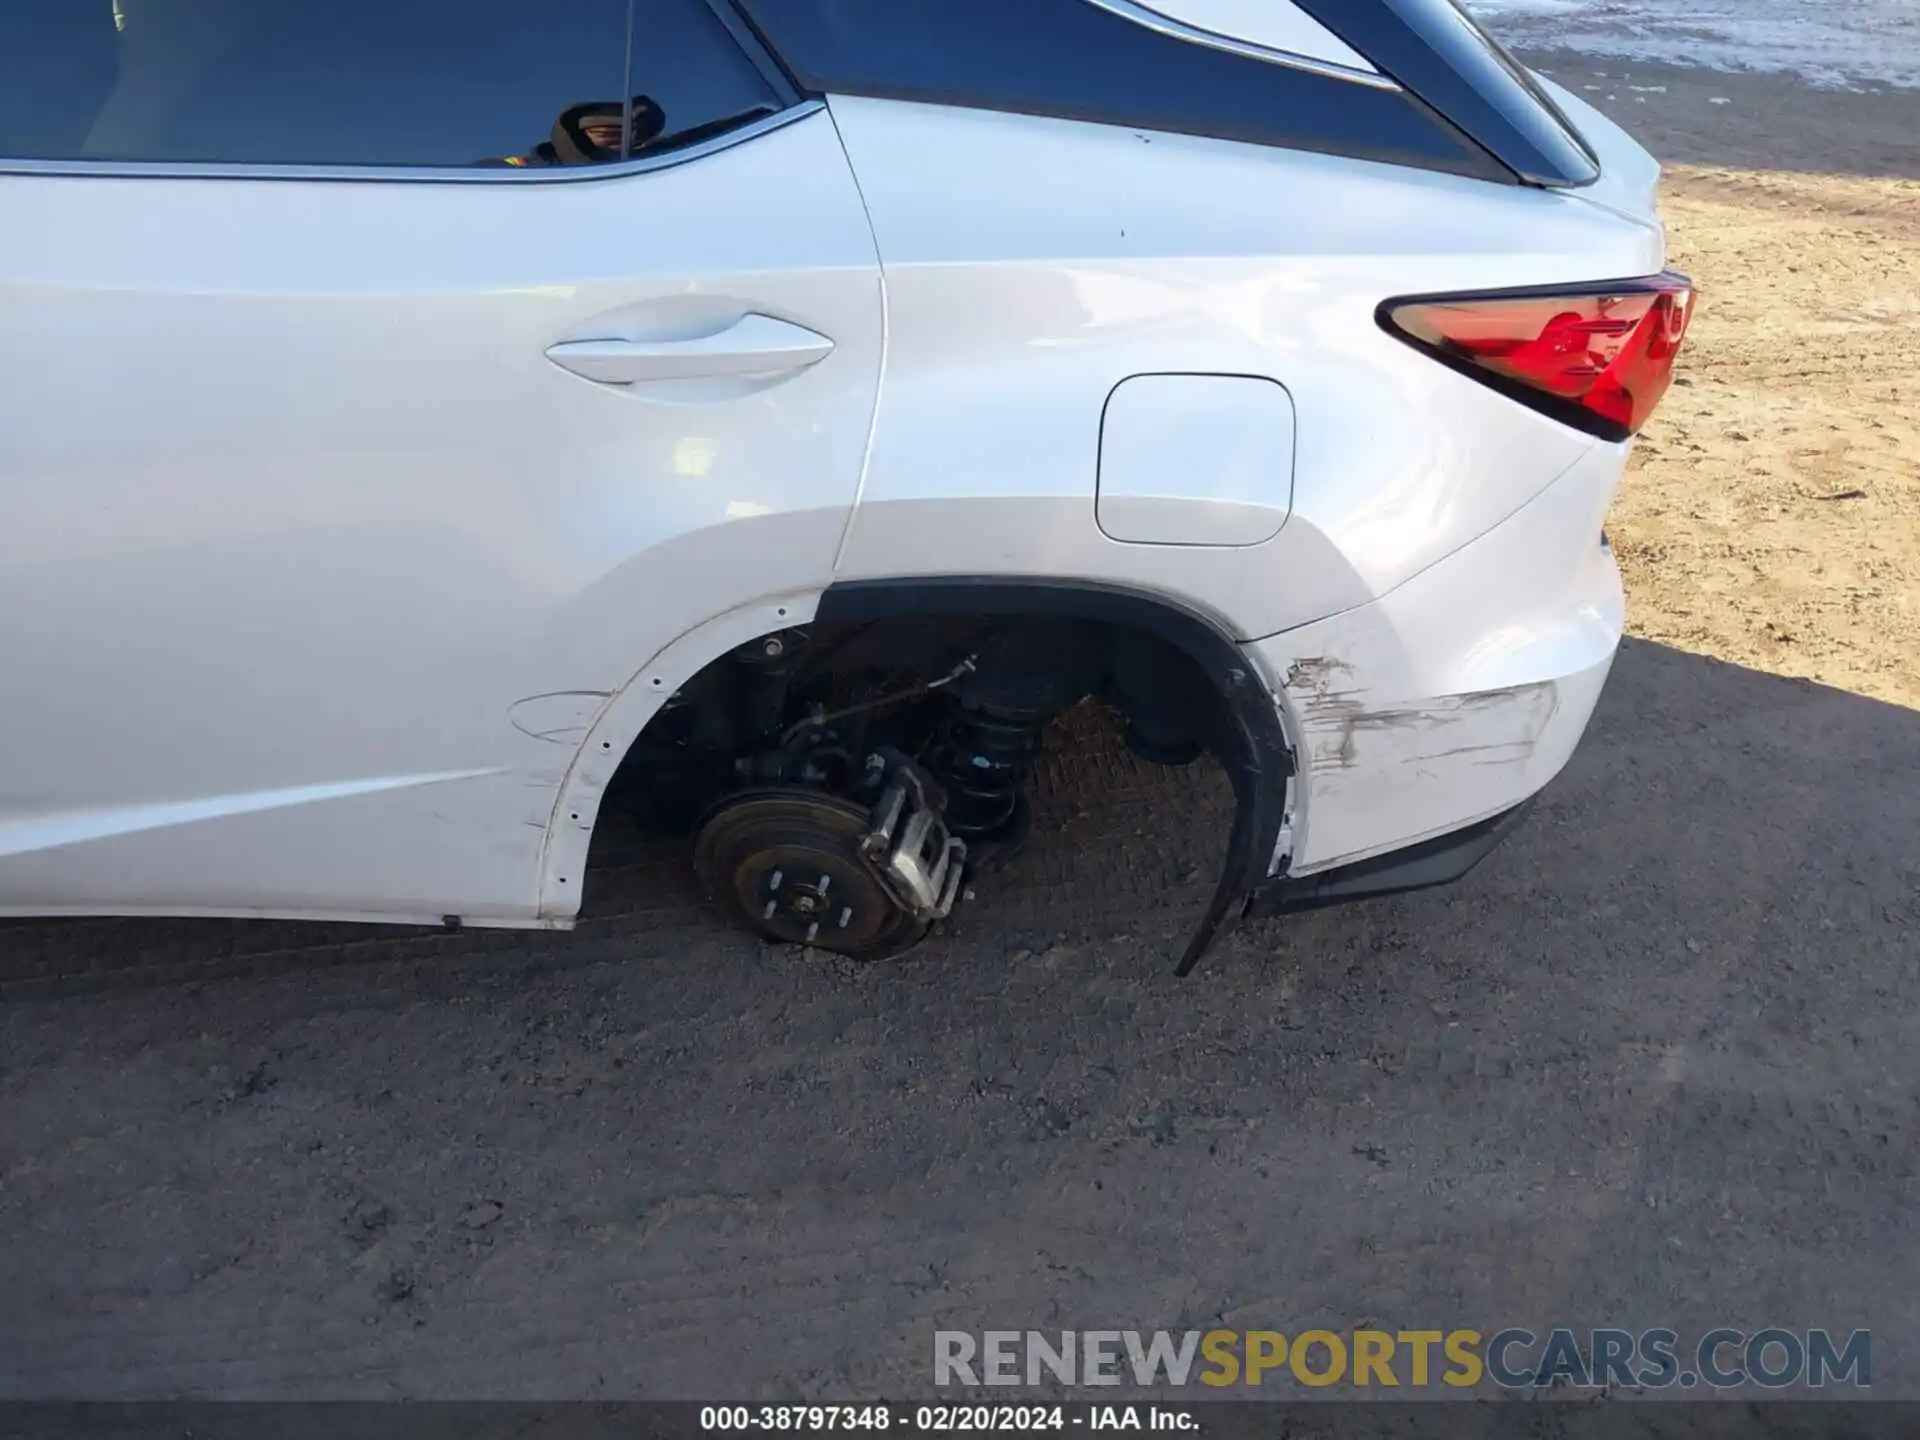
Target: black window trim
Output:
{"points": [[755, 48], [1442, 54], [414, 174]]}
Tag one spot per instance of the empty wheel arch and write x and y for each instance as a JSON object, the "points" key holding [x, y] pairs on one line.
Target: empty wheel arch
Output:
{"points": [[943, 684]]}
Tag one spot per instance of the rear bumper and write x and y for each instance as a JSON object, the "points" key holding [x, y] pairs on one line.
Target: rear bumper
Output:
{"points": [[1439, 861], [1423, 722]]}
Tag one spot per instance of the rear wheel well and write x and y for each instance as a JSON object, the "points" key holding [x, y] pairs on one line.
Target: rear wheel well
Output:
{"points": [[957, 679], [1034, 648]]}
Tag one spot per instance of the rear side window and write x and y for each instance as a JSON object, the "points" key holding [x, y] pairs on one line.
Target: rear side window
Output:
{"points": [[524, 83], [1444, 56], [1078, 60]]}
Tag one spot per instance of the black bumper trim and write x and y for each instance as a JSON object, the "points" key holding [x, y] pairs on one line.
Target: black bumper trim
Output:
{"points": [[1439, 861]]}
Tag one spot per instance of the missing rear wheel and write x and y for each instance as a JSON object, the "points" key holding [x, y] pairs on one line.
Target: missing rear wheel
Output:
{"points": [[787, 862]]}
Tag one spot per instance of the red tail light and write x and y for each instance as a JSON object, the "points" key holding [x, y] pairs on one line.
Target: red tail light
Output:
{"points": [[1596, 356]]}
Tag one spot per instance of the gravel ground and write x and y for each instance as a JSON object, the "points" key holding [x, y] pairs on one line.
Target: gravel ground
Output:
{"points": [[1651, 1064]]}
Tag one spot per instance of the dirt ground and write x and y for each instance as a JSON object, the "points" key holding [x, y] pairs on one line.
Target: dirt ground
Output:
{"points": [[1773, 514], [1651, 1064]]}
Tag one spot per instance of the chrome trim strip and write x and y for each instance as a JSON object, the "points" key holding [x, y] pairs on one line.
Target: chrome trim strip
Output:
{"points": [[1194, 35], [416, 175]]}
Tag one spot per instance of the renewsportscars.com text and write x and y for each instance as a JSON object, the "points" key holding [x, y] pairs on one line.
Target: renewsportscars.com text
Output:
{"points": [[1513, 1358]]}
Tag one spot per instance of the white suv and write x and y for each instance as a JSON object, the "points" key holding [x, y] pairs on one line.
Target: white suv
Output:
{"points": [[414, 418]]}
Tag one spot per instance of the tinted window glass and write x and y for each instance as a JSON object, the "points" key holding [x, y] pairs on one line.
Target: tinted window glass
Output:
{"points": [[364, 82], [689, 68], [1439, 53], [1079, 61]]}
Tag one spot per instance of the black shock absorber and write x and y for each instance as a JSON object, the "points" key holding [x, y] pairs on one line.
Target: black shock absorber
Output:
{"points": [[983, 754], [988, 738]]}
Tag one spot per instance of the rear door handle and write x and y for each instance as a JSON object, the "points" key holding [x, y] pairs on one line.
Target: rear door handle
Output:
{"points": [[752, 345]]}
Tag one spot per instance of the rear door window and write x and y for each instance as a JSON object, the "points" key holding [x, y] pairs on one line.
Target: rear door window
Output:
{"points": [[376, 83]]}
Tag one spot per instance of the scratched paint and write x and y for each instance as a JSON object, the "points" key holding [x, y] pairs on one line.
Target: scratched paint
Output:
{"points": [[561, 718], [1425, 762]]}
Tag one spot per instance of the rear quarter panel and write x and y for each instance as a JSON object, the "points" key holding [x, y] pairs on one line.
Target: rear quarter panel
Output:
{"points": [[1032, 264]]}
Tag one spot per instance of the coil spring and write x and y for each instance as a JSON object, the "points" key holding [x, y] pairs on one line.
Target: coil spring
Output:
{"points": [[983, 759]]}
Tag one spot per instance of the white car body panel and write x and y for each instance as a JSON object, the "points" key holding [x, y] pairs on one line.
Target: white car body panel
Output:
{"points": [[1463, 691], [617, 723], [327, 593], [1134, 265], [1195, 460], [276, 600]]}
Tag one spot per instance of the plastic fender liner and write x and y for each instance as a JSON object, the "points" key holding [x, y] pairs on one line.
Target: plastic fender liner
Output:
{"points": [[1252, 746]]}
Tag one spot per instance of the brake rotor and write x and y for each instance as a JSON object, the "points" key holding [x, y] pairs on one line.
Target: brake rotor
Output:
{"points": [[788, 861]]}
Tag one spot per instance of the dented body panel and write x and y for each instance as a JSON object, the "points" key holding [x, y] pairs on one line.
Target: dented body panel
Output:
{"points": [[1459, 693], [339, 598]]}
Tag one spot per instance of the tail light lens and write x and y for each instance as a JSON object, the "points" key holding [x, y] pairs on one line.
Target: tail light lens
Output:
{"points": [[1595, 356]]}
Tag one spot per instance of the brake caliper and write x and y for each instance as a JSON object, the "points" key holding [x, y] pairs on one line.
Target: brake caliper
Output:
{"points": [[913, 854]]}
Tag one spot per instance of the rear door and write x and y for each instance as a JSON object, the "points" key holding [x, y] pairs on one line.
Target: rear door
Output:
{"points": [[357, 391]]}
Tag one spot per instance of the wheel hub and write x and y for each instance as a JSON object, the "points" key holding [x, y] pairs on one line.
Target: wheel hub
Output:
{"points": [[797, 901], [790, 861]]}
